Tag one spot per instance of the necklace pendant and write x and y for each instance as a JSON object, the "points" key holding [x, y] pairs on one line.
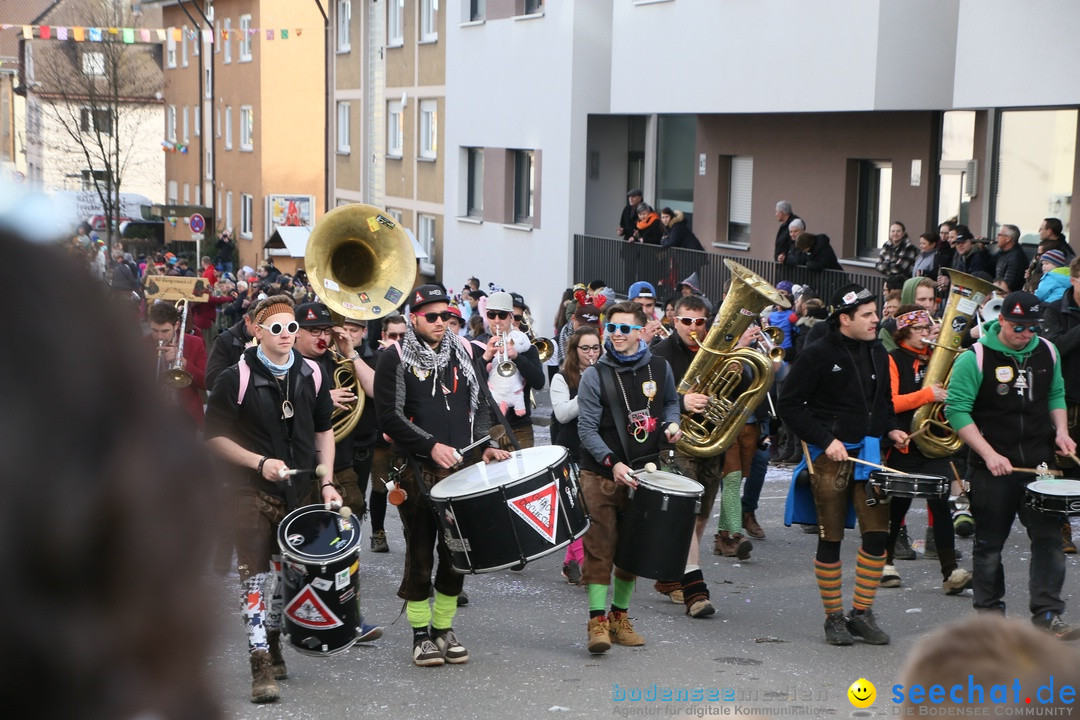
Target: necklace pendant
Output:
{"points": [[648, 388], [286, 410], [421, 374]]}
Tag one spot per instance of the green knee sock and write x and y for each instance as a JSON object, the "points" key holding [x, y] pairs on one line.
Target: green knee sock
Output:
{"points": [[597, 597], [731, 503], [621, 592], [442, 616], [419, 613]]}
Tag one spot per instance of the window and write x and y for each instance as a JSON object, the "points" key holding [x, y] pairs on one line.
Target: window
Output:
{"points": [[217, 120], [172, 192], [395, 23], [533, 7], [198, 194], [228, 210], [477, 10], [740, 190], [245, 38], [429, 20], [184, 46], [873, 202], [198, 120], [217, 37], [208, 81], [228, 127], [429, 128], [187, 193], [226, 40], [208, 165], [170, 123], [93, 63], [395, 213], [247, 127], [344, 16], [425, 236], [90, 177], [187, 128], [196, 41], [170, 50], [343, 128], [475, 184], [99, 121], [247, 213], [395, 130], [523, 186]]}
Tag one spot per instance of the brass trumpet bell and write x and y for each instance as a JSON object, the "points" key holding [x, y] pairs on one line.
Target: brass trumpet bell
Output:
{"points": [[360, 261]]}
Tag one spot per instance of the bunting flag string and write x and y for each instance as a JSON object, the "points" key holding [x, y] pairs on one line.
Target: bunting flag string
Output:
{"points": [[130, 36]]}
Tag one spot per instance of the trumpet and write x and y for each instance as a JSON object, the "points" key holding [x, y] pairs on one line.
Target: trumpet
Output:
{"points": [[176, 376], [769, 343], [506, 366], [663, 332], [544, 347]]}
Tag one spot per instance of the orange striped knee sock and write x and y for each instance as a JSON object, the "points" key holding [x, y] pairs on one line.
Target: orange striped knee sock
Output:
{"points": [[868, 569], [829, 585]]}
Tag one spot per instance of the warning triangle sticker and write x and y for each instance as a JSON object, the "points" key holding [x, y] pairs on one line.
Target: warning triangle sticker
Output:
{"points": [[540, 509], [1018, 310], [308, 610]]}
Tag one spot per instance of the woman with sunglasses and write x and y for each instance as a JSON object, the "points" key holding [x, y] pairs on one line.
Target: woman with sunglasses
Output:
{"points": [[267, 414], [583, 350], [907, 366]]}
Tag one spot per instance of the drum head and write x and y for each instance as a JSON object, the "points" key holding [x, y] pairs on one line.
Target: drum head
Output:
{"points": [[481, 478], [314, 534], [1056, 487], [670, 483]]}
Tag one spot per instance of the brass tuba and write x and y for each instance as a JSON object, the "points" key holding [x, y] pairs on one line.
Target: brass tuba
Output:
{"points": [[935, 437], [717, 368], [361, 264]]}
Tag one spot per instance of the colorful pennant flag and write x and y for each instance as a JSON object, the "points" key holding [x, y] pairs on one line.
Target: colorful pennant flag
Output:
{"points": [[79, 33], [45, 32], [129, 35], [95, 34]]}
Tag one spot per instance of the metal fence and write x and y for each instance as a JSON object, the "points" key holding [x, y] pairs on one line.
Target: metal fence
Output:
{"points": [[619, 264]]}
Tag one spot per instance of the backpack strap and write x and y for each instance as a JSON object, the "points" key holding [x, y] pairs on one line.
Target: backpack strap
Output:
{"points": [[316, 371], [1052, 347], [245, 377]]}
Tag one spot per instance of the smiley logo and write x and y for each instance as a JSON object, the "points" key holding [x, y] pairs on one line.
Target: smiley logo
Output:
{"points": [[862, 693]]}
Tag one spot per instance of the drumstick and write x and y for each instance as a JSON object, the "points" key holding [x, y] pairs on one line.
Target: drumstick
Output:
{"points": [[919, 432], [879, 467], [649, 467], [496, 433], [1072, 456], [1038, 471], [809, 462], [318, 471]]}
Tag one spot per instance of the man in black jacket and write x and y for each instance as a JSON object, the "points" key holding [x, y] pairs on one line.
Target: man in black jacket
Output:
{"points": [[1011, 260], [628, 220], [838, 398], [230, 345], [784, 215]]}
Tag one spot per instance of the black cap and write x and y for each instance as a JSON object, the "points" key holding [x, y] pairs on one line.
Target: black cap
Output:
{"points": [[518, 300], [635, 191], [849, 297], [425, 295], [313, 314], [1021, 306]]}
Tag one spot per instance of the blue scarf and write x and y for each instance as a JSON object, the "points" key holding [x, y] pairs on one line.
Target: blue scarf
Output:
{"points": [[277, 370], [625, 359]]}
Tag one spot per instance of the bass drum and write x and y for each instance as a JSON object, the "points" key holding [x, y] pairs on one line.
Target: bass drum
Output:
{"points": [[657, 525], [508, 513], [320, 568]]}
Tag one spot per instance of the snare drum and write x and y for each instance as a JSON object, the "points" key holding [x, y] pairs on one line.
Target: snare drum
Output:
{"points": [[320, 567], [1057, 496], [657, 525], [510, 512], [892, 484]]}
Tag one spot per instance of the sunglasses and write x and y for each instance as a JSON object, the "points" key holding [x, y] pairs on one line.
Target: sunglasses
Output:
{"points": [[1019, 328], [589, 348], [501, 314], [276, 329], [433, 316], [691, 321], [394, 336], [622, 328]]}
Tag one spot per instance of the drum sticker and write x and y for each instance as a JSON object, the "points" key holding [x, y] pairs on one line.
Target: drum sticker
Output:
{"points": [[967, 307], [308, 610], [364, 297], [347, 596], [383, 220], [1003, 373], [456, 545], [539, 509], [331, 285], [322, 584], [341, 579], [958, 324], [295, 539], [393, 295]]}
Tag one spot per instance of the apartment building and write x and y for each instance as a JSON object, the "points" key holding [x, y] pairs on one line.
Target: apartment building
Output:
{"points": [[858, 112], [245, 118]]}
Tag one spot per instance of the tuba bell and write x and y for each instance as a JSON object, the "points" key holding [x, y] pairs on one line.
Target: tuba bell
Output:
{"points": [[935, 437], [717, 369], [361, 264]]}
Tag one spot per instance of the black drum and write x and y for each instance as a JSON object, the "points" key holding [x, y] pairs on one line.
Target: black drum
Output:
{"points": [[510, 512], [657, 525], [321, 572], [1059, 496], [883, 485]]}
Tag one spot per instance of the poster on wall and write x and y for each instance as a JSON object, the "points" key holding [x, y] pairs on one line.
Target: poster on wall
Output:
{"points": [[290, 211]]}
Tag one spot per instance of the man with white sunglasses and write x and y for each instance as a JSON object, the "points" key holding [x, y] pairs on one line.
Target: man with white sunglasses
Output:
{"points": [[268, 414]]}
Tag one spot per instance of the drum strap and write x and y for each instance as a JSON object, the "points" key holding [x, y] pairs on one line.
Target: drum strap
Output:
{"points": [[614, 403]]}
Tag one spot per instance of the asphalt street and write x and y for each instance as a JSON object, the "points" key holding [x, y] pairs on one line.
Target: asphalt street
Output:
{"points": [[763, 651]]}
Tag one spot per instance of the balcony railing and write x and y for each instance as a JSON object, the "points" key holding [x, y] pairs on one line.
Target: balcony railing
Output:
{"points": [[620, 264]]}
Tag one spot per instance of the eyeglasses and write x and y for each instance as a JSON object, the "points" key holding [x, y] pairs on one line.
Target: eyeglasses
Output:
{"points": [[317, 332], [501, 314], [276, 329], [394, 336], [1019, 328], [519, 318], [621, 328], [589, 348], [433, 316], [690, 320]]}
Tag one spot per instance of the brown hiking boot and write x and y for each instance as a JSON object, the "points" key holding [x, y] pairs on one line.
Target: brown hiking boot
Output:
{"points": [[1067, 544], [263, 686], [274, 637], [622, 630], [599, 635], [735, 546], [753, 529]]}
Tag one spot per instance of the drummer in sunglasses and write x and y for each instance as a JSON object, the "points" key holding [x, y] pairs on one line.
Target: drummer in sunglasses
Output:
{"points": [[429, 403], [618, 437], [1007, 402]]}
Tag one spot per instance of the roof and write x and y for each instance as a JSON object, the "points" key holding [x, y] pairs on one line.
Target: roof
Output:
{"points": [[289, 241], [24, 12]]}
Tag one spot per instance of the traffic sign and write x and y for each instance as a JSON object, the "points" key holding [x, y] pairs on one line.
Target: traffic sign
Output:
{"points": [[196, 223]]}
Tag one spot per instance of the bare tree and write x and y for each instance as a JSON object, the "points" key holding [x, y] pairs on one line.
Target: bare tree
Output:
{"points": [[101, 94]]}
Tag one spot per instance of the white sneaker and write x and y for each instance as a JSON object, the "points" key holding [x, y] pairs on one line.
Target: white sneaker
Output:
{"points": [[957, 581], [889, 577]]}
